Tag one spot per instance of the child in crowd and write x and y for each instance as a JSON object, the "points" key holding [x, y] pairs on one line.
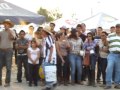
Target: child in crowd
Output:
{"points": [[33, 62]]}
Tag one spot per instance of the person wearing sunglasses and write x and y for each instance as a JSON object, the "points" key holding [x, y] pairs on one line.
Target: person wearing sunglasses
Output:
{"points": [[89, 60]]}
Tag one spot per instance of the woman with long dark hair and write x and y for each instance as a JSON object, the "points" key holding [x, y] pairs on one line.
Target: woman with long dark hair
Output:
{"points": [[74, 56], [90, 58], [63, 62]]}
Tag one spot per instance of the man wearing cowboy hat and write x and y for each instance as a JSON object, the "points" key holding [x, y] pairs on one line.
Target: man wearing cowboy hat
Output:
{"points": [[49, 53], [6, 44]]}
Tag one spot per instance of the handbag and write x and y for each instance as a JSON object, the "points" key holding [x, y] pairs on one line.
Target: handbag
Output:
{"points": [[82, 53], [50, 73], [41, 72], [86, 59]]}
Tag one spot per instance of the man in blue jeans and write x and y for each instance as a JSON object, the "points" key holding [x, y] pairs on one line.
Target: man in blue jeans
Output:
{"points": [[113, 59], [6, 50], [49, 54]]}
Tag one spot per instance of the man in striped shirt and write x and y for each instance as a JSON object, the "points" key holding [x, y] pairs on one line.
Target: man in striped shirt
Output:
{"points": [[113, 59], [49, 54]]}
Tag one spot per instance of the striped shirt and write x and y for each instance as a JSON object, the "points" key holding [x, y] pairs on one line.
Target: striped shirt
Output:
{"points": [[114, 42], [48, 42]]}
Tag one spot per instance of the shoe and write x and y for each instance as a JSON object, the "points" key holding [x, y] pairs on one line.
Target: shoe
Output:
{"points": [[58, 83], [103, 85], [98, 81], [89, 84], [35, 84], [107, 87], [7, 85], [0, 83], [30, 85], [72, 83], [42, 83], [81, 82], [27, 81], [65, 84], [94, 85], [18, 82], [117, 87], [47, 88], [54, 85]]}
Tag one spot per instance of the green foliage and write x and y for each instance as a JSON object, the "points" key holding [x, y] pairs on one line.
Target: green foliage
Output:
{"points": [[50, 15]]}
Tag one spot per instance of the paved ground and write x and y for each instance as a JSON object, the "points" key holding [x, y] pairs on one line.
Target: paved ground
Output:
{"points": [[24, 85]]}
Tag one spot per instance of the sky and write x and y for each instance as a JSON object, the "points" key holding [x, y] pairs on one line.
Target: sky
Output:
{"points": [[80, 8]]}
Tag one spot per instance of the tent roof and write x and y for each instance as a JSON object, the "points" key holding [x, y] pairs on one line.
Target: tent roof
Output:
{"points": [[15, 13], [100, 19], [68, 22]]}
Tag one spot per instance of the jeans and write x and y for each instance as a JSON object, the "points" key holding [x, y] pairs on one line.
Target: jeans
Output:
{"points": [[103, 68], [33, 73], [99, 71], [62, 69], [6, 58], [22, 60], [75, 63], [113, 63], [66, 68], [91, 69], [48, 84], [59, 69]]}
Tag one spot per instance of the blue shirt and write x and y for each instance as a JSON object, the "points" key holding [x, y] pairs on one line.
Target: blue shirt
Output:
{"points": [[89, 45]]}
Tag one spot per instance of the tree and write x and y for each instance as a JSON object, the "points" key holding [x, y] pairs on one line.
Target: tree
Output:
{"points": [[50, 15]]}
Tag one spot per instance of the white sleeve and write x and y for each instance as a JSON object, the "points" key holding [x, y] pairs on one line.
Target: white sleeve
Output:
{"points": [[100, 44], [50, 41]]}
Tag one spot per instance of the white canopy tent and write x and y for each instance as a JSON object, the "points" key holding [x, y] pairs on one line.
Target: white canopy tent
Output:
{"points": [[68, 22], [100, 19]]}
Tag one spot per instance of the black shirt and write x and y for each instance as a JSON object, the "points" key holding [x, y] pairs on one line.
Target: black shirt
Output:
{"points": [[83, 37]]}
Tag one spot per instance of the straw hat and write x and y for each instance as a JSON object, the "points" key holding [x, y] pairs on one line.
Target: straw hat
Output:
{"points": [[47, 29], [7, 21]]}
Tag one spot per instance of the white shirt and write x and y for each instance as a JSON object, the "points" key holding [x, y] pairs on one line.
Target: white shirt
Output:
{"points": [[33, 54], [29, 37], [102, 54]]}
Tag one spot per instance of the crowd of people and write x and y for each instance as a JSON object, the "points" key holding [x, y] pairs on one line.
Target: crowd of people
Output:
{"points": [[77, 55]]}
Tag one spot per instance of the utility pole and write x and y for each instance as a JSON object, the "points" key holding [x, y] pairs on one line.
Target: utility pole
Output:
{"points": [[91, 12]]}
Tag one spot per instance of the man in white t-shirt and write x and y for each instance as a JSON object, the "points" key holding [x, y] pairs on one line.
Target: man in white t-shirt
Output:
{"points": [[29, 36]]}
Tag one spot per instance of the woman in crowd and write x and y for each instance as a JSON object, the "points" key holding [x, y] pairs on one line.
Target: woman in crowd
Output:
{"points": [[74, 56], [63, 62], [103, 51], [90, 58]]}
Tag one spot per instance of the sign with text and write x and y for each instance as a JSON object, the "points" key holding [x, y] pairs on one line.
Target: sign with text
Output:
{"points": [[50, 74]]}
